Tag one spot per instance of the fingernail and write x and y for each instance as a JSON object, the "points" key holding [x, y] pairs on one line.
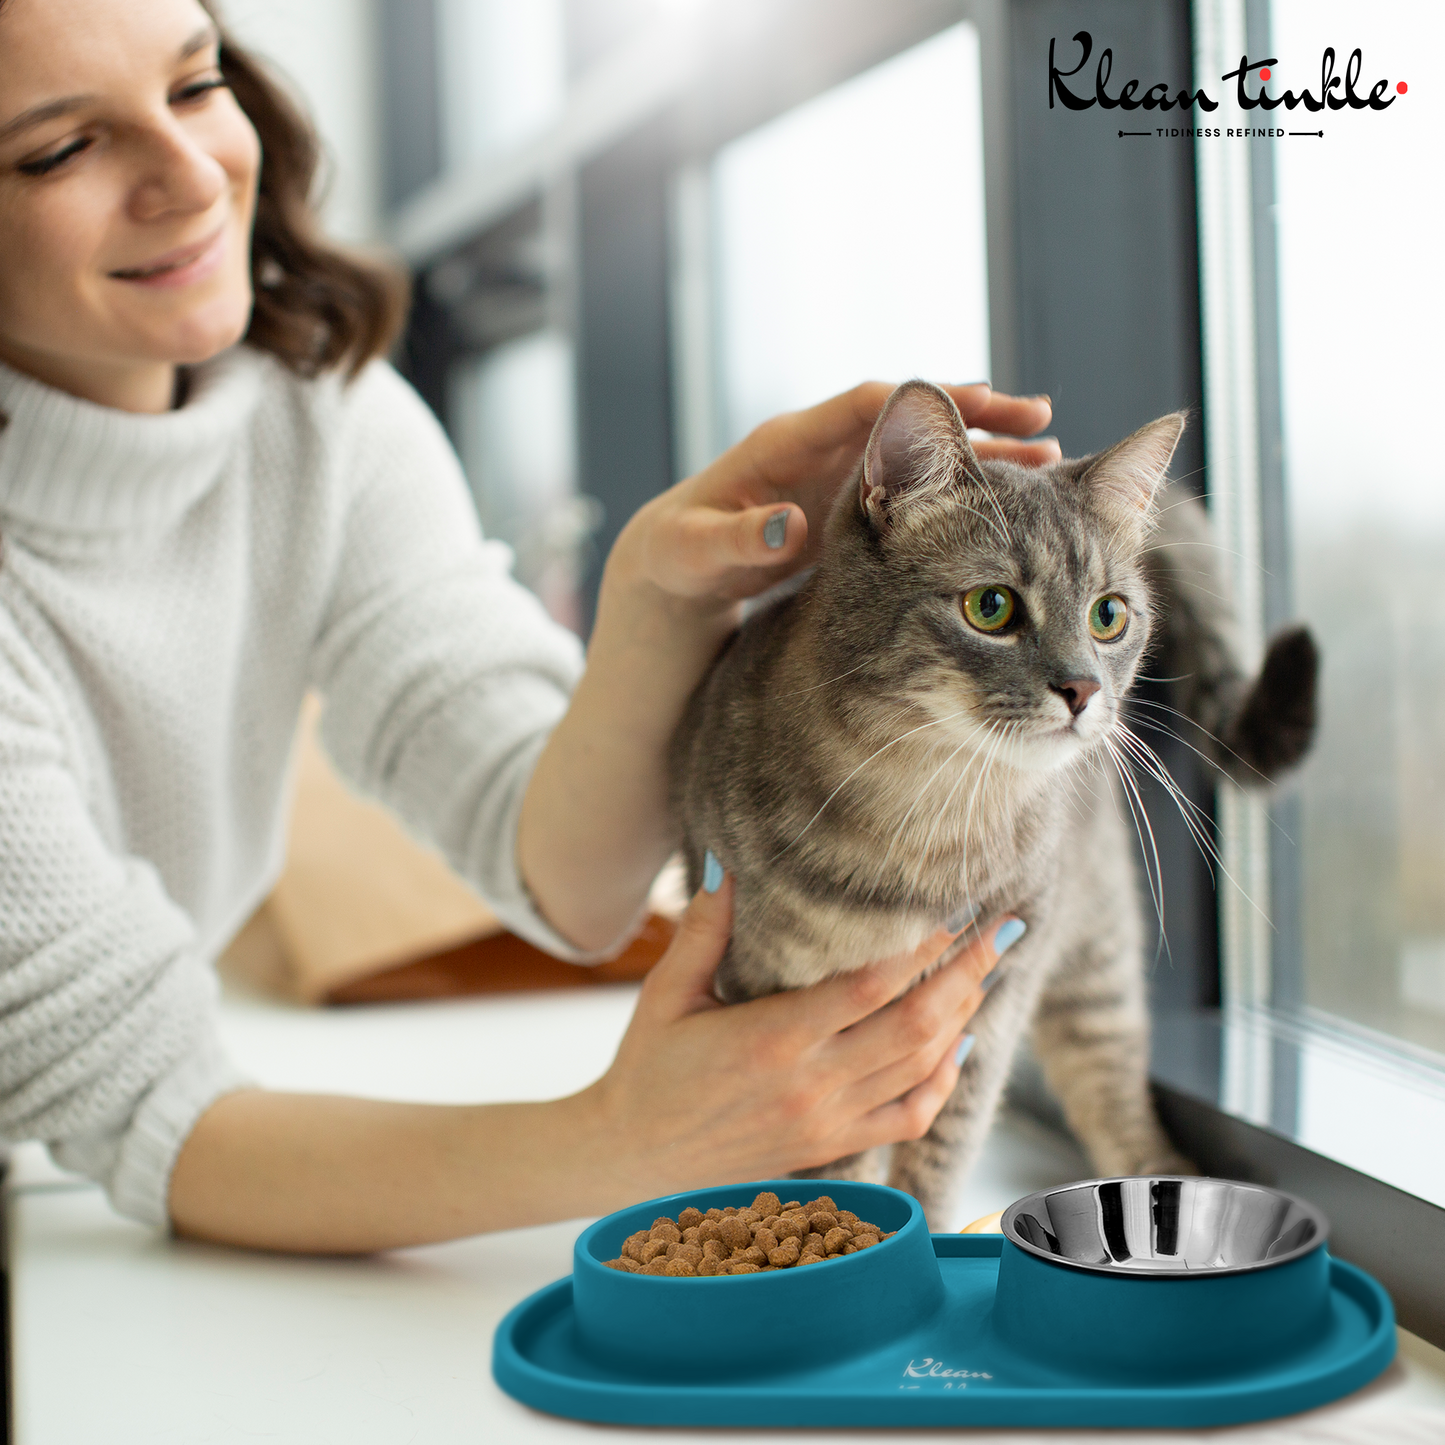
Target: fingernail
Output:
{"points": [[1009, 932], [962, 919], [1042, 396], [988, 384], [965, 1048], [712, 873], [991, 977], [775, 532]]}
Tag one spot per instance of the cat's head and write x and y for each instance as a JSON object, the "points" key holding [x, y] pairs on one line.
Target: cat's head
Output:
{"points": [[1007, 603]]}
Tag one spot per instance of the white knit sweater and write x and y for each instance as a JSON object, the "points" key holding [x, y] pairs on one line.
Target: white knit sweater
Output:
{"points": [[170, 586]]}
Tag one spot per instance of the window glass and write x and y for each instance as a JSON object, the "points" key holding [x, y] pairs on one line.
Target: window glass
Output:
{"points": [[1360, 214], [849, 238]]}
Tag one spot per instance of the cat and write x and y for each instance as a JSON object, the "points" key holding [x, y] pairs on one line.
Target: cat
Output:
{"points": [[928, 727]]}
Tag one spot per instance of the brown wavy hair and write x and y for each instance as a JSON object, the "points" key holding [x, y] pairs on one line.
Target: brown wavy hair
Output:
{"points": [[317, 306]]}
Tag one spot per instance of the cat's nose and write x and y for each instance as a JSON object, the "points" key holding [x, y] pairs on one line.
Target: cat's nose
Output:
{"points": [[1076, 692]]}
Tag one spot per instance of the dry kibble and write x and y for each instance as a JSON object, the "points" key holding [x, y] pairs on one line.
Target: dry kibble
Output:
{"points": [[764, 1237], [735, 1233], [785, 1254]]}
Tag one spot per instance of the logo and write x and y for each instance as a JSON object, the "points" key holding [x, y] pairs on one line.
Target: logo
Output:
{"points": [[1336, 92], [930, 1369]]}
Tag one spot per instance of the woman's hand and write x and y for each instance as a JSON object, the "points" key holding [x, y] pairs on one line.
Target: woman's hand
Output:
{"points": [[595, 825], [706, 1094], [754, 516]]}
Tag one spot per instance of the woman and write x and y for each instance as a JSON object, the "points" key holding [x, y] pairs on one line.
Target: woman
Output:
{"points": [[197, 530]]}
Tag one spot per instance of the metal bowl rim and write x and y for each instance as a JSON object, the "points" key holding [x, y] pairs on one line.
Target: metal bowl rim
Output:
{"points": [[1114, 1271]]}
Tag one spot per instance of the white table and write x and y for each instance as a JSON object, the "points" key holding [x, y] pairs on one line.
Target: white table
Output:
{"points": [[122, 1336]]}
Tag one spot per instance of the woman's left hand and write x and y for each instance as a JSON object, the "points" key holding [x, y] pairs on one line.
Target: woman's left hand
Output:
{"points": [[754, 516], [595, 824]]}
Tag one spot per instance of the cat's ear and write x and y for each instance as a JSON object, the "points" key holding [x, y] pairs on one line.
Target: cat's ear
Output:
{"points": [[919, 450], [1124, 480]]}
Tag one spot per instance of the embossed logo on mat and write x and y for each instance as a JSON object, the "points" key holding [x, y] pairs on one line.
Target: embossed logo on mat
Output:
{"points": [[930, 1369]]}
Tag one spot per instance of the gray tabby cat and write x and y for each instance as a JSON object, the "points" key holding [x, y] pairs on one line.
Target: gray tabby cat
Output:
{"points": [[929, 726]]}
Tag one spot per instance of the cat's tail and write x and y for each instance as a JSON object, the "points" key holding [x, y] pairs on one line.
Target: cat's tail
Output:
{"points": [[1253, 728]]}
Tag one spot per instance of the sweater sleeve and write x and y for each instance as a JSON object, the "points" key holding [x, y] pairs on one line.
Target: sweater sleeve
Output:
{"points": [[442, 676], [108, 1048]]}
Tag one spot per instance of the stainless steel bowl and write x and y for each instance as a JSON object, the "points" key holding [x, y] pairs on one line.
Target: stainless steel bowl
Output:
{"points": [[1165, 1226]]}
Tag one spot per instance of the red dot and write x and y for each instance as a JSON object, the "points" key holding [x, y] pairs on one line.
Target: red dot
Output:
{"points": [[1401, 86], [1264, 73]]}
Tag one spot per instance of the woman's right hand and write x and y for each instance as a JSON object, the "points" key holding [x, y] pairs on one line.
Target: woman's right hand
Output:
{"points": [[700, 1093]]}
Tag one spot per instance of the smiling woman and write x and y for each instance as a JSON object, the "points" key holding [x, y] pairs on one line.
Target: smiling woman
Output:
{"points": [[158, 227], [182, 562]]}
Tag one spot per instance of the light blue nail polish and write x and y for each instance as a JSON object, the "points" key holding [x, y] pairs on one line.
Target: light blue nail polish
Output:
{"points": [[775, 531], [1009, 933], [712, 873], [962, 919], [965, 1048], [991, 977]]}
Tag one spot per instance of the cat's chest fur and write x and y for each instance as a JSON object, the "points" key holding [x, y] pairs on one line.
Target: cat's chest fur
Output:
{"points": [[854, 824]]}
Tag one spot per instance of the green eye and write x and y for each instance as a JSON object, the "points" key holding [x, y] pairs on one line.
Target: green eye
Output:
{"points": [[1108, 618], [990, 609]]}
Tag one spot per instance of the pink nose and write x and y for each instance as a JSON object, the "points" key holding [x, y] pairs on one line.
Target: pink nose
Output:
{"points": [[1076, 692]]}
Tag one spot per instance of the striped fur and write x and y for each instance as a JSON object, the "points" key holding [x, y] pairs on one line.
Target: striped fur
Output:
{"points": [[868, 765]]}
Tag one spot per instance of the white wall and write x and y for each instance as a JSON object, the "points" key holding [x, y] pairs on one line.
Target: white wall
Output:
{"points": [[327, 49]]}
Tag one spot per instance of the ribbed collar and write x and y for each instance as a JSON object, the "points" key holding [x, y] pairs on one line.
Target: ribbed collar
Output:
{"points": [[70, 468]]}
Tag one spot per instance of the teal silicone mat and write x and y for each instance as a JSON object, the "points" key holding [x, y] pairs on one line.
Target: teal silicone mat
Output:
{"points": [[947, 1369]]}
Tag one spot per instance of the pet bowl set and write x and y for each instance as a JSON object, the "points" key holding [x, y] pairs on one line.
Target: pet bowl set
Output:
{"points": [[1143, 1302]]}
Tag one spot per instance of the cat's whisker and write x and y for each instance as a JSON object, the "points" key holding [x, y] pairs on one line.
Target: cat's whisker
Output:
{"points": [[1153, 763], [1141, 825], [778, 697], [1198, 828], [918, 798], [1213, 737], [932, 723]]}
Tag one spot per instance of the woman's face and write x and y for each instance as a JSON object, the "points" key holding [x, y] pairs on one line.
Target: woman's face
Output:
{"points": [[127, 187]]}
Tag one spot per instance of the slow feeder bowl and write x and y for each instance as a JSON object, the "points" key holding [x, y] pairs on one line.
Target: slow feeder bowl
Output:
{"points": [[1132, 1302], [758, 1323]]}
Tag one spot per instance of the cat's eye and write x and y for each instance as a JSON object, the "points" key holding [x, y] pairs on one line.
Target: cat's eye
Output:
{"points": [[989, 608], [1108, 618]]}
